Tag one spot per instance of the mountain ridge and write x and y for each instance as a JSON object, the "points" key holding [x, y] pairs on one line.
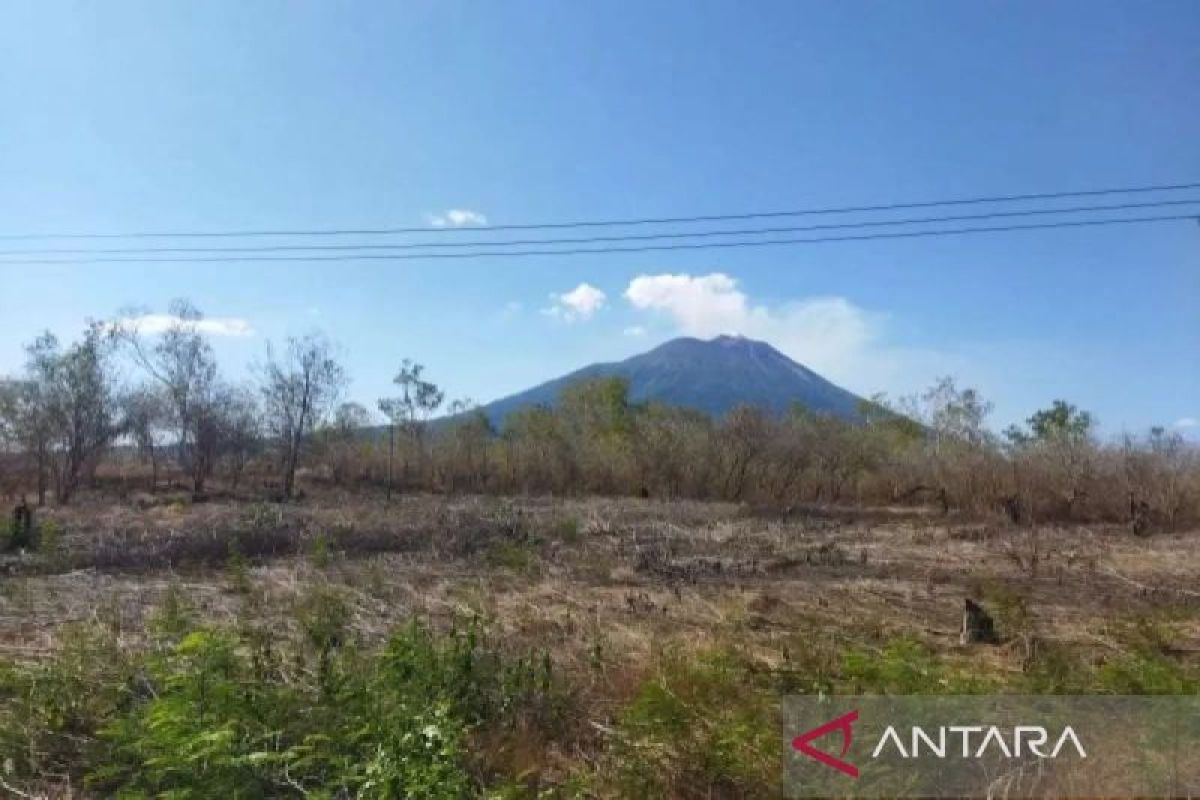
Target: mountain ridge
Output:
{"points": [[711, 376]]}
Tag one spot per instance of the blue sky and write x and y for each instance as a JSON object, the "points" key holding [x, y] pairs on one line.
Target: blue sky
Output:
{"points": [[141, 116]]}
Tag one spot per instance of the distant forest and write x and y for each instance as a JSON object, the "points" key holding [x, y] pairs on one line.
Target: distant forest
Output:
{"points": [[79, 418]]}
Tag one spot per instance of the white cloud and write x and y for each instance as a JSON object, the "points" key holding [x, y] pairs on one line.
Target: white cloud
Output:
{"points": [[581, 303], [703, 305], [635, 331], [213, 326], [825, 333], [829, 334], [1187, 422], [457, 218]]}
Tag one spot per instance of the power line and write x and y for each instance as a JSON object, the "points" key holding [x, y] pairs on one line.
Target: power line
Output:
{"points": [[599, 239], [594, 250], [604, 223]]}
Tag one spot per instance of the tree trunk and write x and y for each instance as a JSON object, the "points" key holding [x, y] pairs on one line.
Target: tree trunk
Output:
{"points": [[391, 457]]}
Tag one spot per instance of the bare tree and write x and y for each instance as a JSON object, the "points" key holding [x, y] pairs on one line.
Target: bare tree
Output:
{"points": [[746, 435], [182, 361], [146, 415], [959, 448], [468, 437], [240, 420], [298, 390], [340, 440], [28, 425], [75, 388]]}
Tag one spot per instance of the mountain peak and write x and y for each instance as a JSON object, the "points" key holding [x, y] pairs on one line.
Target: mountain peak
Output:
{"points": [[712, 376], [724, 341]]}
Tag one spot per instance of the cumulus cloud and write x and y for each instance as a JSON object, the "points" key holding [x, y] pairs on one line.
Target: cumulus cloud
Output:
{"points": [[213, 326], [830, 334], [702, 305], [457, 218], [581, 303], [1187, 422]]}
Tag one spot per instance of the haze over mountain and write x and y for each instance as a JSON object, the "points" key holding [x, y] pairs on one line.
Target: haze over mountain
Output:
{"points": [[712, 376]]}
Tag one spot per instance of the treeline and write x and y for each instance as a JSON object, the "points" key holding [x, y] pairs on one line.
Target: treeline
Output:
{"points": [[932, 449], [72, 406], [77, 407]]}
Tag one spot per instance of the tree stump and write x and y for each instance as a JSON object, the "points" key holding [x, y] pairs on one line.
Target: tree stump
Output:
{"points": [[1012, 508], [22, 525], [1140, 517], [977, 624]]}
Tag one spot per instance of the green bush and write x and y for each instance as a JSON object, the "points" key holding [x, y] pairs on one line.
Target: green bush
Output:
{"points": [[698, 723], [567, 530], [49, 711], [905, 666], [246, 711], [320, 552], [48, 537], [240, 712], [515, 556]]}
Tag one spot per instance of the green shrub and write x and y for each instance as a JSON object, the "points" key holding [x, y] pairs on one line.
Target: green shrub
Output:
{"points": [[1144, 664], [173, 617], [1055, 669], [222, 712], [698, 723], [48, 537], [237, 570], [905, 666], [1142, 673], [515, 556], [319, 553], [567, 531], [49, 711]]}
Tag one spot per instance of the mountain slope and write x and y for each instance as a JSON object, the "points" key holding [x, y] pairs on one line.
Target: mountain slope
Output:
{"points": [[710, 376]]}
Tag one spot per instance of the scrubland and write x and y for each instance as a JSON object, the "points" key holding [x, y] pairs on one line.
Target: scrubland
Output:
{"points": [[454, 645], [256, 590]]}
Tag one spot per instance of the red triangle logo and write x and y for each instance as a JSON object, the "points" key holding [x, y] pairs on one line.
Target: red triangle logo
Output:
{"points": [[844, 724]]}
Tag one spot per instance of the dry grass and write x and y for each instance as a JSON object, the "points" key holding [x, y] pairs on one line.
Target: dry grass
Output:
{"points": [[610, 588], [618, 577]]}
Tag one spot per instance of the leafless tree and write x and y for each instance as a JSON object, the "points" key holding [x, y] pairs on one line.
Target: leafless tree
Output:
{"points": [[299, 387], [146, 415], [241, 429], [182, 360], [75, 388], [341, 440], [467, 437], [27, 424], [746, 432]]}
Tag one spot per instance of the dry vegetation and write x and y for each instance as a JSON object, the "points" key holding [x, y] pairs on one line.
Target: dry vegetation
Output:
{"points": [[243, 591], [626, 598], [686, 568]]}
